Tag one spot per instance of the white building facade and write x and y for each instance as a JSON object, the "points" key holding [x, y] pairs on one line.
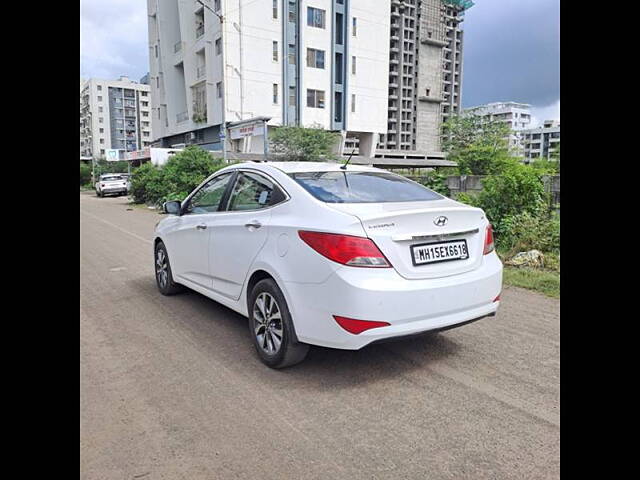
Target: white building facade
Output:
{"points": [[517, 116], [288, 62], [114, 114], [541, 142]]}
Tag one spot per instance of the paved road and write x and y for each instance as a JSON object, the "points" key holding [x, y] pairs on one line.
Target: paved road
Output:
{"points": [[171, 387]]}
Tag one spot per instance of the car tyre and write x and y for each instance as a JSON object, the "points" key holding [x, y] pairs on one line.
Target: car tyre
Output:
{"points": [[164, 276], [271, 327]]}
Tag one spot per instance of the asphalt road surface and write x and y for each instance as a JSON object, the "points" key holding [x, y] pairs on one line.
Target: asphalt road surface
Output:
{"points": [[171, 388]]}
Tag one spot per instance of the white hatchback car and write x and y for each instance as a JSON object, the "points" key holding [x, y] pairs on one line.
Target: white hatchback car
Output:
{"points": [[315, 254]]}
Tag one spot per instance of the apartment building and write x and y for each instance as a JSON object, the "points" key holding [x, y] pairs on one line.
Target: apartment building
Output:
{"points": [[114, 114], [541, 142], [517, 116], [425, 74], [286, 62]]}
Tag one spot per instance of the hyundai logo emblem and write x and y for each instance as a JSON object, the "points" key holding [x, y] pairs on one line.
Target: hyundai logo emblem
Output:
{"points": [[441, 221]]}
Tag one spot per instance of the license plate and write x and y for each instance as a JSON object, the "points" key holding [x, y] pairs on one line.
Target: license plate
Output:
{"points": [[439, 252]]}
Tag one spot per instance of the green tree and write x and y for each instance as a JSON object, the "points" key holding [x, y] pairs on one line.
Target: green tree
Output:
{"points": [[85, 173], [304, 144], [103, 166], [478, 146]]}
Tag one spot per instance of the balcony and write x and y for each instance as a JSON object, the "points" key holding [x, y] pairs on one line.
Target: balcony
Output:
{"points": [[199, 31]]}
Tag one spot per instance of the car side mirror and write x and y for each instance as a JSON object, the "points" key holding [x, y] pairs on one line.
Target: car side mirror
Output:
{"points": [[172, 208]]}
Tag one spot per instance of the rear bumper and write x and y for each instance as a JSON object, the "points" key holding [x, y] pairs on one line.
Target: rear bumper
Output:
{"points": [[410, 306]]}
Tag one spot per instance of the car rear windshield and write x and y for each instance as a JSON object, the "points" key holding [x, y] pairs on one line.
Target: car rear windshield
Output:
{"points": [[112, 178], [362, 187]]}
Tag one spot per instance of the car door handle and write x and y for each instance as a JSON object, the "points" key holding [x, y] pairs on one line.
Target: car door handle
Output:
{"points": [[254, 224], [202, 226]]}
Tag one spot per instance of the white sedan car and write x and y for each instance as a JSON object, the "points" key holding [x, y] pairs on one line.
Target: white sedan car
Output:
{"points": [[316, 254]]}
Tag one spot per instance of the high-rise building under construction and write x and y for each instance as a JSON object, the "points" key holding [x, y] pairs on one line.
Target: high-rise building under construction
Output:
{"points": [[425, 73]]}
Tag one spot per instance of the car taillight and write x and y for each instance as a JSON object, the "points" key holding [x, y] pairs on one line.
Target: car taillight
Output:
{"points": [[358, 326], [488, 240], [497, 299], [346, 249]]}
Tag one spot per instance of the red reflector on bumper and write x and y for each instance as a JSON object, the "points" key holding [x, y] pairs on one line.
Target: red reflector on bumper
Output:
{"points": [[358, 326], [497, 299]]}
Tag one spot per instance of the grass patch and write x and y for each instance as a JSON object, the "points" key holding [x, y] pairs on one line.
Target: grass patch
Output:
{"points": [[544, 281]]}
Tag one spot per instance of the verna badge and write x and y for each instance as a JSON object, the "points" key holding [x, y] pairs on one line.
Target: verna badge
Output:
{"points": [[441, 221]]}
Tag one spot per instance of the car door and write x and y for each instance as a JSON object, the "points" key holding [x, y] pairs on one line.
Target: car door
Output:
{"points": [[189, 239], [240, 232]]}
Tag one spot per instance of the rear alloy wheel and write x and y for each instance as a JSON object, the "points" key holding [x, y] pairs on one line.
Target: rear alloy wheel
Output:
{"points": [[164, 278], [272, 328]]}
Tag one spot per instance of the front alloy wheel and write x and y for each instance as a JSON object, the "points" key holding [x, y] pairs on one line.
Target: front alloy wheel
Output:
{"points": [[164, 278]]}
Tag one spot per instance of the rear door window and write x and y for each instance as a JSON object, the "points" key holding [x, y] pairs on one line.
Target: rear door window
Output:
{"points": [[253, 191]]}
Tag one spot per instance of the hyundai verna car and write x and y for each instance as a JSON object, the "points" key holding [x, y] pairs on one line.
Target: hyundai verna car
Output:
{"points": [[316, 254]]}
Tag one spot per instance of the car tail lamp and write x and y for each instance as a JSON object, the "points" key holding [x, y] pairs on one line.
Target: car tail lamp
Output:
{"points": [[497, 299], [489, 244], [358, 326], [346, 249]]}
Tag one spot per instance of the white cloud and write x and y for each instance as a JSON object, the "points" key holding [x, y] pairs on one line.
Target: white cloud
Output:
{"points": [[113, 38], [546, 112]]}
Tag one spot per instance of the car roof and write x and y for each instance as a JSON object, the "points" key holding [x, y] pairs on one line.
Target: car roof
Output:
{"points": [[295, 167]]}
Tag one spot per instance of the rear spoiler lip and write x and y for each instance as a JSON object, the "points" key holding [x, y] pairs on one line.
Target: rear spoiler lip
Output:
{"points": [[431, 236]]}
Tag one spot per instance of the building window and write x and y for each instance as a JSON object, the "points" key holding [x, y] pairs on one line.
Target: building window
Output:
{"points": [[146, 114], [292, 54], [354, 26], [218, 46], [275, 93], [315, 17], [275, 9], [99, 88], [315, 58], [99, 98], [353, 103], [292, 97], [293, 14], [353, 65], [102, 140], [274, 55], [100, 109], [216, 5], [102, 130], [156, 50], [143, 94], [315, 98], [339, 29], [100, 120], [144, 104], [219, 89]]}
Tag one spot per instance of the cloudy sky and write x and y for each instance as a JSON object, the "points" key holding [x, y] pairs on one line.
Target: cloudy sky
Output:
{"points": [[511, 52]]}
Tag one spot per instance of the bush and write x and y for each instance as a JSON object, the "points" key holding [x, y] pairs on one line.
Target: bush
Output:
{"points": [[176, 179], [437, 182], [85, 173], [519, 189], [526, 231]]}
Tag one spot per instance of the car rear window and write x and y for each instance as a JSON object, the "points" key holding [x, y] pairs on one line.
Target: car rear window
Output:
{"points": [[362, 187], [112, 178]]}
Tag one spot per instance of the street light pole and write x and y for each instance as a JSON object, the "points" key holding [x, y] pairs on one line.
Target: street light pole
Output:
{"points": [[223, 126]]}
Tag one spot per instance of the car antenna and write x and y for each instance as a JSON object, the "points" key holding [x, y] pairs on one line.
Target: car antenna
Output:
{"points": [[344, 167]]}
